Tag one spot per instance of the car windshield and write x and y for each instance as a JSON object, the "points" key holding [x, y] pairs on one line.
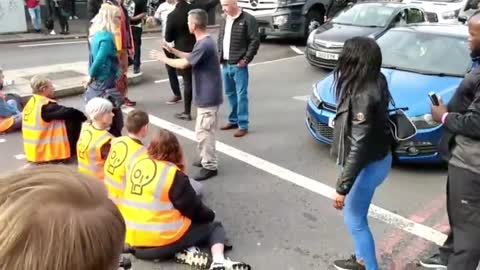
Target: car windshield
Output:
{"points": [[426, 53], [443, 1], [365, 15]]}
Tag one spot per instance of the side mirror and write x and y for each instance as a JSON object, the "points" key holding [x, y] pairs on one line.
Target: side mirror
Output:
{"points": [[462, 19]]}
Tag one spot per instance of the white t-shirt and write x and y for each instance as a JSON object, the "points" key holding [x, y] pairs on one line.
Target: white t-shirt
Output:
{"points": [[162, 13]]}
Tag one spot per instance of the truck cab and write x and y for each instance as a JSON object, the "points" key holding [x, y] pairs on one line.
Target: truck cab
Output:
{"points": [[289, 18], [443, 11]]}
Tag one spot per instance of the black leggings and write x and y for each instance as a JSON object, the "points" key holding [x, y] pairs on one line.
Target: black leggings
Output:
{"points": [[207, 234], [117, 123]]}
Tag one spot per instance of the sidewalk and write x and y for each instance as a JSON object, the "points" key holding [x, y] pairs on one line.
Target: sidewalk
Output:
{"points": [[67, 78], [78, 29]]}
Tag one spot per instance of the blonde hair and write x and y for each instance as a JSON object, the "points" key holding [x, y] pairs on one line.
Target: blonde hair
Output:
{"points": [[54, 218], [106, 19], [38, 82]]}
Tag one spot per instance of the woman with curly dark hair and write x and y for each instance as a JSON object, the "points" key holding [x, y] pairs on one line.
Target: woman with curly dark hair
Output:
{"points": [[362, 142], [165, 218]]}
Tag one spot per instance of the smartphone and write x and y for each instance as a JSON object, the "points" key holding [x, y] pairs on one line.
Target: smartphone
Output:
{"points": [[434, 98]]}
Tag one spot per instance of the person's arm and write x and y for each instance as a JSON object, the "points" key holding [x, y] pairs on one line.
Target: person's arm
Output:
{"points": [[182, 63], [103, 53], [105, 149], [179, 53], [53, 111], [467, 124], [142, 12], [170, 28], [184, 199], [253, 39], [5, 109]]}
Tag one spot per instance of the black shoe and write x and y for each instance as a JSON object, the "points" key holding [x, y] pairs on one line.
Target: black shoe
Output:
{"points": [[197, 163], [434, 262], [183, 116], [350, 264], [136, 70], [205, 174]]}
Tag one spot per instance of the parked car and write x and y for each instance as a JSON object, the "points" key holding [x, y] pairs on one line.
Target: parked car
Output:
{"points": [[443, 11], [416, 60], [372, 19]]}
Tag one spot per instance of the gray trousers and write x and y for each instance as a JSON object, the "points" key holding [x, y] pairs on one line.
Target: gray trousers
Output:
{"points": [[205, 129]]}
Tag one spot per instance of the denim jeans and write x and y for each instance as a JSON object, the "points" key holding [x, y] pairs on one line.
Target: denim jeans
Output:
{"points": [[235, 79], [35, 17], [356, 208]]}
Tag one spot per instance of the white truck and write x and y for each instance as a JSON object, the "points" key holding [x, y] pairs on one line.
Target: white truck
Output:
{"points": [[442, 11]]}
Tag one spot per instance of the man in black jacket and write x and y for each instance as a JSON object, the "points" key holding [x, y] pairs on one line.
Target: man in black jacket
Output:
{"points": [[460, 145], [177, 31], [238, 43]]}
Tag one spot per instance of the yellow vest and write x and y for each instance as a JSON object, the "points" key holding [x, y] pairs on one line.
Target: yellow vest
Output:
{"points": [[151, 219], [89, 147], [124, 149], [43, 141]]}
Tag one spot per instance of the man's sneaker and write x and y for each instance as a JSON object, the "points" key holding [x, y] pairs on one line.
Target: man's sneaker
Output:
{"points": [[349, 264], [183, 116], [227, 264], [194, 257], [434, 262], [205, 174]]}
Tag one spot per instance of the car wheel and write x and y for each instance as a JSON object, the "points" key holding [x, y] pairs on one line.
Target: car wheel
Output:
{"points": [[314, 20]]}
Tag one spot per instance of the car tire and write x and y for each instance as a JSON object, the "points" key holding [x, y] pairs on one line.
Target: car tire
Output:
{"points": [[314, 19]]}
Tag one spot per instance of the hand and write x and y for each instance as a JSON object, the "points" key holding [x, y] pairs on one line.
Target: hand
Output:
{"points": [[438, 111], [339, 202], [167, 47], [242, 63], [158, 55]]}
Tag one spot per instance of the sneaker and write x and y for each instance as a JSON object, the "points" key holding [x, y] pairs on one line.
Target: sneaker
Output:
{"points": [[174, 100], [205, 174], [194, 257], [53, 33], [183, 116], [130, 103], [227, 264], [349, 264], [136, 70], [75, 17], [434, 262]]}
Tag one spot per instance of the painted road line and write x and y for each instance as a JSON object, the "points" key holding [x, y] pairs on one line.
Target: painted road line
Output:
{"points": [[20, 156], [296, 50], [376, 212], [2, 140], [302, 98], [66, 43], [166, 80], [273, 61]]}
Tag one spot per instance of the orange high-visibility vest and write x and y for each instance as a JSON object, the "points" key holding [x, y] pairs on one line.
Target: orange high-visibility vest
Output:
{"points": [[89, 147], [6, 123], [43, 141], [124, 149], [151, 219]]}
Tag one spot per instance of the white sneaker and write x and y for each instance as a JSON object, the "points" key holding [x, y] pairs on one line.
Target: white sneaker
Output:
{"points": [[53, 33], [194, 257], [227, 264], [75, 17]]}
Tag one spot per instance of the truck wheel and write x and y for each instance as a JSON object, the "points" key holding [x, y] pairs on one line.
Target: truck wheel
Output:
{"points": [[314, 20]]}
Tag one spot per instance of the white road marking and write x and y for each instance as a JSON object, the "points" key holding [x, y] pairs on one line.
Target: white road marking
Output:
{"points": [[166, 80], [2, 140], [149, 61], [66, 43], [20, 156], [302, 98], [296, 50], [376, 212]]}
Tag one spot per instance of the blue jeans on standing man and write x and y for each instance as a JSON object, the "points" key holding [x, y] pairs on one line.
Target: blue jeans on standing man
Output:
{"points": [[35, 17], [235, 79], [357, 203]]}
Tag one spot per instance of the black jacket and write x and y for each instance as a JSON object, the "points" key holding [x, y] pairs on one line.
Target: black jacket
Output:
{"points": [[361, 132], [185, 200], [244, 41], [177, 26]]}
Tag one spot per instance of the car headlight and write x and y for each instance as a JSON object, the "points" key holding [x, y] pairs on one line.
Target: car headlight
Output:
{"points": [[311, 38], [280, 20], [424, 121], [450, 14], [315, 99]]}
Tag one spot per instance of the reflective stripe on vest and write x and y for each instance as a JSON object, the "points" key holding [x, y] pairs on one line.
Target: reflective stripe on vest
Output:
{"points": [[89, 150], [150, 216], [123, 151], [43, 141]]}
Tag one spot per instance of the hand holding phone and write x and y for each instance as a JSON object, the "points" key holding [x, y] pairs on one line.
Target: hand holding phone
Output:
{"points": [[434, 98]]}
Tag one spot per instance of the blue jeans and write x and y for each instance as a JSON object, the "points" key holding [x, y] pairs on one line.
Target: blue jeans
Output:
{"points": [[235, 79], [17, 123], [35, 17], [356, 208]]}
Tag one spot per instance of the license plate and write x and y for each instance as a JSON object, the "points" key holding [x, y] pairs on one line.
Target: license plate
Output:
{"points": [[328, 56], [331, 123]]}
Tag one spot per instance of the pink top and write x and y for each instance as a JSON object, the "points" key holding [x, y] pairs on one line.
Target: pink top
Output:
{"points": [[32, 3]]}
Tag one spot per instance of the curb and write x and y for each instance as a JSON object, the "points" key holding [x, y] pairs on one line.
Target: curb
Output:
{"points": [[77, 36]]}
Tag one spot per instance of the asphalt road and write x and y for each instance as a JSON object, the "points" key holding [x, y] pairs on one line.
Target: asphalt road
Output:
{"points": [[272, 222]]}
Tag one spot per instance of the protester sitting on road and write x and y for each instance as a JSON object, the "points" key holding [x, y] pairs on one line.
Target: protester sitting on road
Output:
{"points": [[361, 143], [165, 217], [123, 150], [50, 131], [94, 143], [104, 69], [54, 218], [10, 114]]}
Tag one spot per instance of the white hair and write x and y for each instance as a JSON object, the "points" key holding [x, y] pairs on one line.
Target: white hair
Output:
{"points": [[98, 106]]}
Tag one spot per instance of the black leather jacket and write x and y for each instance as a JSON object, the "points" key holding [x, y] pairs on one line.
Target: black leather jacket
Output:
{"points": [[361, 132]]}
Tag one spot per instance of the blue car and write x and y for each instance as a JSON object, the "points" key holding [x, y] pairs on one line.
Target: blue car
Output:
{"points": [[417, 59]]}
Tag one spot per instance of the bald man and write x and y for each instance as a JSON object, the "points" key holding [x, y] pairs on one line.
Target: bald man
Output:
{"points": [[460, 146]]}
